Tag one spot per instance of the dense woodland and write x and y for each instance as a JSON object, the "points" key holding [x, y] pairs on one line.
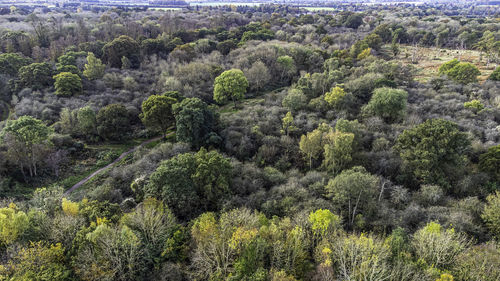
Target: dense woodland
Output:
{"points": [[285, 144]]}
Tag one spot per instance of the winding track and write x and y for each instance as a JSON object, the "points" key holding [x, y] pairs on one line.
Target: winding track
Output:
{"points": [[123, 155]]}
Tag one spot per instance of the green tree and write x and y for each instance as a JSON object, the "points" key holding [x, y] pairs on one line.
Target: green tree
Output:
{"points": [[462, 72], [295, 100], [26, 137], [354, 20], [94, 68], [474, 105], [354, 194], [491, 213], [36, 76], [120, 47], [87, 121], [13, 223], [230, 85], [362, 257], [154, 224], [389, 104], [337, 150], [323, 223], [336, 97], [311, 145], [67, 84], [434, 151], [196, 123], [39, 262], [287, 124], [10, 63], [157, 113], [438, 247], [447, 66], [286, 68], [113, 122], [490, 161], [495, 75], [184, 180]]}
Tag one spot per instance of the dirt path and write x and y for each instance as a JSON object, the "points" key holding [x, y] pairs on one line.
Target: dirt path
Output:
{"points": [[123, 155]]}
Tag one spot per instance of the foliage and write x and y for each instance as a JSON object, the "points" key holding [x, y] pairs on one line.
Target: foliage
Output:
{"points": [[67, 84], [336, 97], [230, 85], [36, 76], [120, 47], [94, 68], [431, 149], [183, 180], [10, 63], [491, 213], [462, 72], [354, 194], [389, 104], [112, 122], [157, 112], [27, 136], [435, 246], [12, 224], [196, 123], [39, 262], [490, 161]]}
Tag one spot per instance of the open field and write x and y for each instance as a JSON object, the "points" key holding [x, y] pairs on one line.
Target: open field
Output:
{"points": [[430, 59]]}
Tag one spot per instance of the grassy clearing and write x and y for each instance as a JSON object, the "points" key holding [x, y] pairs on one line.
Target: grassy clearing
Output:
{"points": [[430, 59]]}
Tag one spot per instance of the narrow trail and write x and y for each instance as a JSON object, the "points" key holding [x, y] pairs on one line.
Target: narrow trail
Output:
{"points": [[123, 155]]}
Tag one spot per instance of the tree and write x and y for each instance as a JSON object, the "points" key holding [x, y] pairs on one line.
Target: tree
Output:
{"points": [[196, 123], [184, 180], [157, 113], [311, 145], [26, 136], [491, 213], [36, 76], [295, 100], [337, 150], [388, 104], [495, 75], [67, 84], [113, 122], [94, 68], [39, 261], [336, 97], [120, 47], [462, 72], [13, 223], [433, 151], [109, 253], [230, 85], [323, 223], [447, 66], [286, 68], [354, 20], [87, 122], [354, 193], [361, 257], [154, 224], [10, 63], [490, 161], [288, 124], [438, 247], [258, 76]]}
